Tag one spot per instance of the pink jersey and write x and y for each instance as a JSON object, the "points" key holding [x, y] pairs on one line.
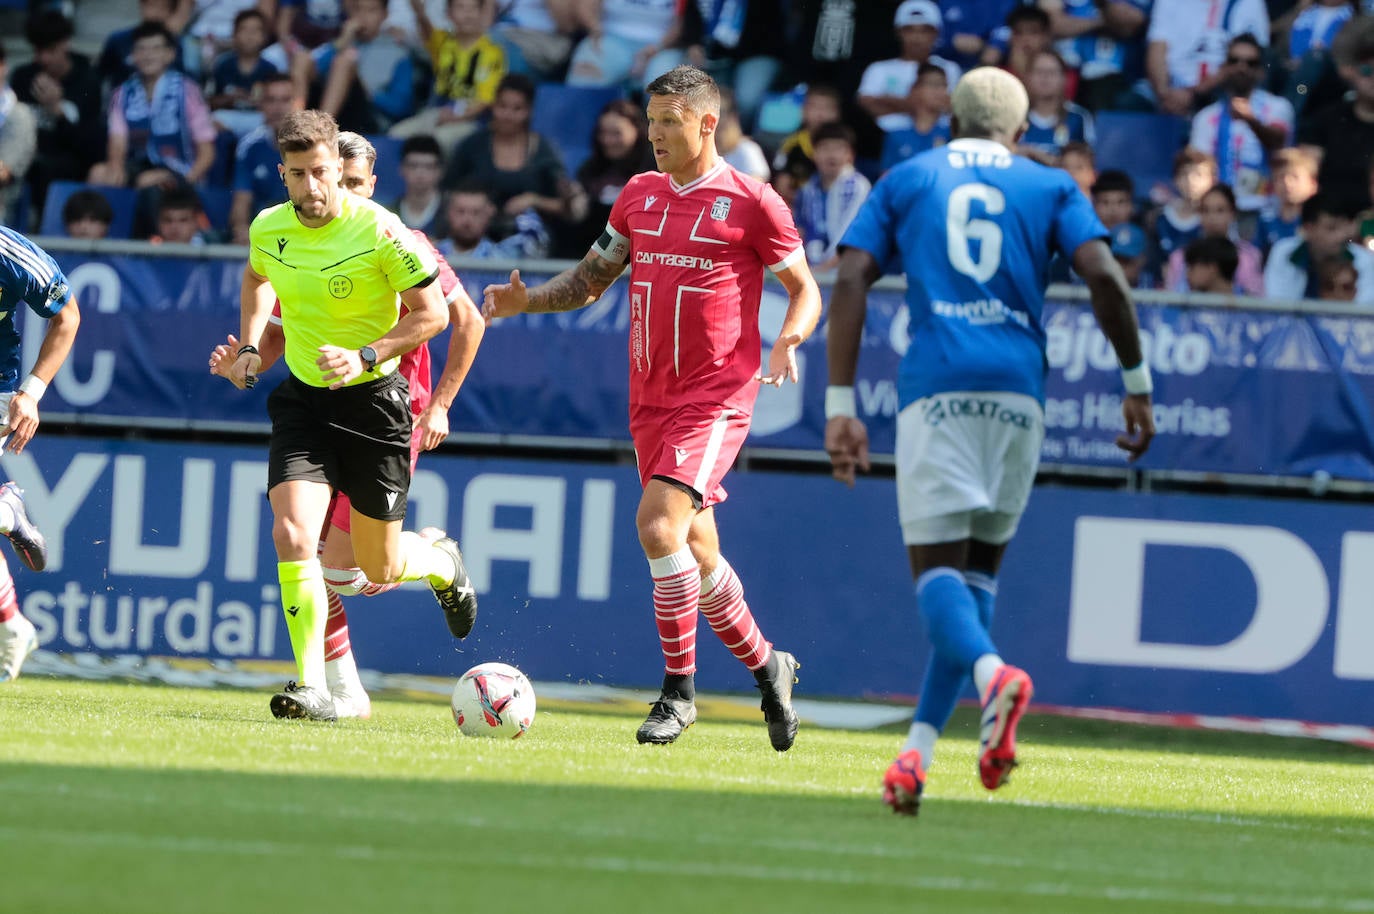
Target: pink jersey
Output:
{"points": [[697, 253]]}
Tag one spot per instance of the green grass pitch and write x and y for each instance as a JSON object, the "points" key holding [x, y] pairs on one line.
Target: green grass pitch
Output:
{"points": [[138, 798]]}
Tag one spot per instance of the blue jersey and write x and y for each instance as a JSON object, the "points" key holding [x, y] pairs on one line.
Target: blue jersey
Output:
{"points": [[30, 276], [900, 145], [1097, 53], [1051, 135], [974, 228]]}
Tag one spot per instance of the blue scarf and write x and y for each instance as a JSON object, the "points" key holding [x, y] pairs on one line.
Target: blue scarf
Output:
{"points": [[158, 128]]}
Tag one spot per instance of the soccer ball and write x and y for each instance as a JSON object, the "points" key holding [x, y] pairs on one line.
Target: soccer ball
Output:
{"points": [[493, 699]]}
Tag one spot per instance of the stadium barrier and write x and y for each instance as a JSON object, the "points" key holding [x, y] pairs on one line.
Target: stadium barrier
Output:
{"points": [[1176, 604]]}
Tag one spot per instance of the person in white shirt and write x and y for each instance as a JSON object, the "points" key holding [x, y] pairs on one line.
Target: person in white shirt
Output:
{"points": [[885, 84], [735, 146], [1187, 46], [1295, 266], [1244, 126]]}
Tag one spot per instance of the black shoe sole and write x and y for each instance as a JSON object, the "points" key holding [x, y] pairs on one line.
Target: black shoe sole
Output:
{"points": [[284, 707], [33, 556]]}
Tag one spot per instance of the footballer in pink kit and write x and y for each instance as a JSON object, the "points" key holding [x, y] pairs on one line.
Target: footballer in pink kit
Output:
{"points": [[697, 236]]}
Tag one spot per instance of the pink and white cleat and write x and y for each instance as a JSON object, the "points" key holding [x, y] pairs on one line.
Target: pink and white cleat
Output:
{"points": [[903, 783], [1005, 701]]}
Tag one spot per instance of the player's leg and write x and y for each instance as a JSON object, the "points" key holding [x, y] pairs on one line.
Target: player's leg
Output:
{"points": [[18, 639], [665, 514], [299, 507], [340, 668], [722, 603]]}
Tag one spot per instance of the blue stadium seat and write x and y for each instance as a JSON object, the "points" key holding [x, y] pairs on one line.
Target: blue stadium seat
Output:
{"points": [[388, 169], [1142, 145], [122, 199], [566, 117]]}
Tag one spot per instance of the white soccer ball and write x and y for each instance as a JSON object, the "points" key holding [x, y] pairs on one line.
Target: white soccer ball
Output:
{"points": [[493, 699]]}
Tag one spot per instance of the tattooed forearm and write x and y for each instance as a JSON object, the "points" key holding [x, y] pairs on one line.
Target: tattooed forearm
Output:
{"points": [[575, 288]]}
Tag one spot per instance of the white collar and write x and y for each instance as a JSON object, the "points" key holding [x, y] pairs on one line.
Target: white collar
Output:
{"points": [[977, 144], [695, 182]]}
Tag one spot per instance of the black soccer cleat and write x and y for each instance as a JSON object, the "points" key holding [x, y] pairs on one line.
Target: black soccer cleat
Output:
{"points": [[299, 702], [28, 542], [668, 717], [458, 600], [777, 702]]}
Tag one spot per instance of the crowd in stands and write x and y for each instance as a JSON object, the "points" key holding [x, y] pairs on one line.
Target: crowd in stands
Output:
{"points": [[506, 128]]}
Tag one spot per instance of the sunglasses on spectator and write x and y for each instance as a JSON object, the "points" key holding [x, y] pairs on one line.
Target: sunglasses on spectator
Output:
{"points": [[1252, 62]]}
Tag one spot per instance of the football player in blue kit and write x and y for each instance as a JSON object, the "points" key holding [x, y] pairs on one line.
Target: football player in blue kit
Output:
{"points": [[974, 228], [28, 276]]}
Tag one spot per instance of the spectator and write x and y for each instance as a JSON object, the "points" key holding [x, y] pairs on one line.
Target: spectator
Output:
{"points": [[212, 27], [833, 42], [1053, 120], [87, 214], [18, 141], [629, 42], [116, 63], [420, 205], [63, 89], [928, 109], [159, 124], [620, 150], [1026, 34], [365, 78], [1080, 162], [1104, 41], [1217, 219], [1211, 265], [1343, 133], [518, 167], [1188, 41], [740, 43], [1245, 126], [736, 147], [822, 105], [468, 66], [536, 36], [886, 83], [1316, 27], [972, 28], [303, 25], [829, 201], [237, 74], [1130, 248], [1328, 223], [1337, 280], [1113, 196], [180, 219], [257, 183], [1178, 223], [468, 212], [1295, 182]]}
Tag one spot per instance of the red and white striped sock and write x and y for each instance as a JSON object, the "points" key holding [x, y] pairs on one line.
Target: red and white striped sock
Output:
{"points": [[9, 603], [722, 603], [336, 642], [352, 582], [675, 610]]}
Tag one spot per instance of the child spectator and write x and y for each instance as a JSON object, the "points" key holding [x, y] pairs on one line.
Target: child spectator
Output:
{"points": [[365, 77], [1328, 222], [159, 124], [1337, 280], [1054, 121], [830, 200], [116, 62], [929, 110], [1080, 162], [822, 105], [422, 164], [237, 74], [1211, 265], [1113, 196], [1245, 126], [180, 219], [1295, 182], [1217, 219], [468, 213], [734, 146], [1195, 173], [468, 66], [886, 83], [87, 214], [257, 183]]}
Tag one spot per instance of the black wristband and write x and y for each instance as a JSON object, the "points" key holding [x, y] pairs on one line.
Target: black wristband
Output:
{"points": [[248, 347]]}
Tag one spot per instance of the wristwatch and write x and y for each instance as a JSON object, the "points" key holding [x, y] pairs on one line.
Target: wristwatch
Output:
{"points": [[369, 357]]}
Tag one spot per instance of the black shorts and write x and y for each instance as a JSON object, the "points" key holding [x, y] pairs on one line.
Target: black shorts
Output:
{"points": [[355, 439]]}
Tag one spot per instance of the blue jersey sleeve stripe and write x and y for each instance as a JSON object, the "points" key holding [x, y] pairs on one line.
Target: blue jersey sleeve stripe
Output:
{"points": [[28, 259]]}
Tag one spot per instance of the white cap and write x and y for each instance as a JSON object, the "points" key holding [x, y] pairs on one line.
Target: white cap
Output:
{"points": [[918, 12]]}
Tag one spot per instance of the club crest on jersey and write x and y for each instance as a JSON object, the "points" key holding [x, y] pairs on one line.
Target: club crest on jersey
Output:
{"points": [[720, 209], [340, 286]]}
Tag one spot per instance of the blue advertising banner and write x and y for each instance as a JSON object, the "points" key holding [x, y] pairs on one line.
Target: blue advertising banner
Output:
{"points": [[1161, 603], [1236, 391]]}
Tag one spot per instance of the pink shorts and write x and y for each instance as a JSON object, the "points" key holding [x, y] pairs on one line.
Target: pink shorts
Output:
{"points": [[693, 445], [340, 508]]}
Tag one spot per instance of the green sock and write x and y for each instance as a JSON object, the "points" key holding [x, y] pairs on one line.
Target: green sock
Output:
{"points": [[423, 562], [306, 604]]}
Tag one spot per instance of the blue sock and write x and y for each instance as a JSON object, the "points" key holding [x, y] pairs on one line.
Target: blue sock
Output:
{"points": [[940, 691], [983, 586], [952, 620]]}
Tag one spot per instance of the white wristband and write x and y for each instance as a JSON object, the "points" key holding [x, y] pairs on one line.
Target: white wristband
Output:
{"points": [[1137, 379], [839, 401], [34, 386]]}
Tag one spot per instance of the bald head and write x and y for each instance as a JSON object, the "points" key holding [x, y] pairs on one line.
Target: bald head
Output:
{"points": [[989, 102]]}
